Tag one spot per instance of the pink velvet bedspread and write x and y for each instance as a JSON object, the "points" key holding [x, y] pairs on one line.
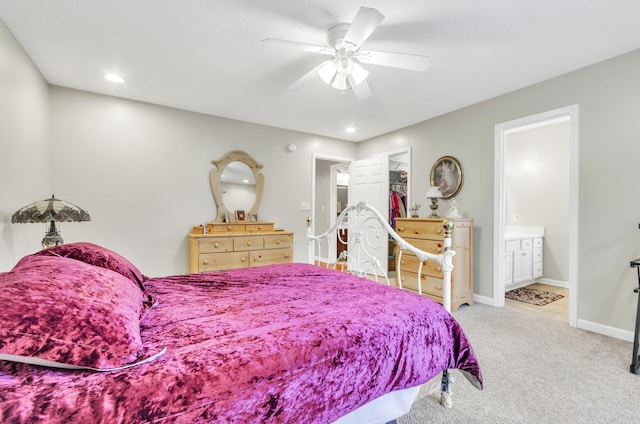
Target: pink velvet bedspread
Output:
{"points": [[288, 343]]}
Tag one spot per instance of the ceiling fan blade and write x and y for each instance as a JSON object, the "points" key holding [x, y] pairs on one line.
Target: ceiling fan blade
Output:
{"points": [[361, 91], [395, 60], [366, 21], [312, 48]]}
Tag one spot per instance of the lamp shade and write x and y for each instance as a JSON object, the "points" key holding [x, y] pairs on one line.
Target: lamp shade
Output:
{"points": [[50, 210]]}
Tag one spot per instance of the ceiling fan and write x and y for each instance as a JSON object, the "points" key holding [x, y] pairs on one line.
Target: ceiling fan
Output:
{"points": [[343, 70]]}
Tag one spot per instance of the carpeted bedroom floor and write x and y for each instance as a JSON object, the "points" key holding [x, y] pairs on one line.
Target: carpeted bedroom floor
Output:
{"points": [[537, 369]]}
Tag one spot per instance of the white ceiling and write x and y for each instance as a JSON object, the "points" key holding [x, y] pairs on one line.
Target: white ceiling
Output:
{"points": [[207, 55]]}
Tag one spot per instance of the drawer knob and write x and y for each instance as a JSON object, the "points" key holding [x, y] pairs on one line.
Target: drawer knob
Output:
{"points": [[400, 229], [216, 245], [286, 255], [205, 262], [439, 231], [439, 288], [243, 259], [259, 227], [439, 269], [228, 227], [402, 262], [248, 243], [277, 241], [255, 259]]}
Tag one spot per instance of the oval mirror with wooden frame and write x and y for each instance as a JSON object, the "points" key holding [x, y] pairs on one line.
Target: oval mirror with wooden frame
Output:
{"points": [[236, 184]]}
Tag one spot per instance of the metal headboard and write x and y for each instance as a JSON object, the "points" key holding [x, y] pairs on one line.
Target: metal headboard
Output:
{"points": [[367, 228]]}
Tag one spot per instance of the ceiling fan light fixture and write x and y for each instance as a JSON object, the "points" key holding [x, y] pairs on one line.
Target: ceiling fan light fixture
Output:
{"points": [[358, 73], [326, 71], [340, 82]]}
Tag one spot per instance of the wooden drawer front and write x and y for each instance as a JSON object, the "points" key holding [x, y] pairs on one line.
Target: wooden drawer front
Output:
{"points": [[430, 285], [279, 241], [431, 246], [219, 261], [228, 228], [257, 227], [215, 245], [420, 229], [248, 243], [273, 256], [410, 263]]}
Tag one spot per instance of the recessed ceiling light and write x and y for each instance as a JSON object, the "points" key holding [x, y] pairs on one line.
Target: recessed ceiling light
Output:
{"points": [[350, 130], [114, 78]]}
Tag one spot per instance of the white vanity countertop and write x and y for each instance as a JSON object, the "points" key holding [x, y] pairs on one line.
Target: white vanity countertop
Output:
{"points": [[515, 232]]}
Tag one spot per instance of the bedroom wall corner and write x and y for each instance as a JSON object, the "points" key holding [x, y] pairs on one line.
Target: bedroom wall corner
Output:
{"points": [[24, 147]]}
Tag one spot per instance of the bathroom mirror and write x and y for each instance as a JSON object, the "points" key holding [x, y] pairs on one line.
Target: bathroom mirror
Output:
{"points": [[237, 185]]}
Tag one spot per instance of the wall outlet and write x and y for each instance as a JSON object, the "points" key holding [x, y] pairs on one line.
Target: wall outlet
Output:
{"points": [[305, 206], [516, 218]]}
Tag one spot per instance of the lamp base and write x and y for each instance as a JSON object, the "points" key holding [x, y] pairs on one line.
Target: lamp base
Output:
{"points": [[434, 208], [52, 237]]}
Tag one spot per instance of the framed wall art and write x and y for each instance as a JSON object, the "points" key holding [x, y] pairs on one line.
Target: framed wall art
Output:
{"points": [[447, 175]]}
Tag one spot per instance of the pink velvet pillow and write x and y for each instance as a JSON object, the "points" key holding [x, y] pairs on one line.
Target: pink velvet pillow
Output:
{"points": [[66, 311], [99, 256]]}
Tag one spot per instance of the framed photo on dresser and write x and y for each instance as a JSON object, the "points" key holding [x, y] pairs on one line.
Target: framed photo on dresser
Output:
{"points": [[240, 216]]}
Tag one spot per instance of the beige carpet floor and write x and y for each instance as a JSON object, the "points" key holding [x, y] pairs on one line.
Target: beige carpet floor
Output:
{"points": [[537, 369]]}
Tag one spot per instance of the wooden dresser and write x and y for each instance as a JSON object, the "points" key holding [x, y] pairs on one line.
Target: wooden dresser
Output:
{"points": [[238, 245], [428, 234]]}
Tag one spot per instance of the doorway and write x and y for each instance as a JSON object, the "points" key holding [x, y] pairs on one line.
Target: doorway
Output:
{"points": [[509, 212]]}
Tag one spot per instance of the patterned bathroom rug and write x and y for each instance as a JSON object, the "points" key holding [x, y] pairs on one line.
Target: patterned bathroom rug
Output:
{"points": [[532, 296]]}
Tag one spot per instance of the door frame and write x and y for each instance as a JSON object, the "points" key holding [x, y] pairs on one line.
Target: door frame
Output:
{"points": [[314, 157], [501, 130]]}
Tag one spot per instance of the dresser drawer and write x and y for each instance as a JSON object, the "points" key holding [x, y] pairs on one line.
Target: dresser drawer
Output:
{"points": [[278, 241], [228, 228], [410, 263], [526, 244], [215, 245], [537, 254], [430, 285], [273, 256], [248, 243], [431, 246], [420, 229], [208, 262], [257, 227]]}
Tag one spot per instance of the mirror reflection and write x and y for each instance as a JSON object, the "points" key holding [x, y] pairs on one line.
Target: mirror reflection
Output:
{"points": [[238, 186]]}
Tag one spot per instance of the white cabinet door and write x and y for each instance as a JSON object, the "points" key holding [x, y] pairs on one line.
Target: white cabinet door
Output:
{"points": [[508, 268]]}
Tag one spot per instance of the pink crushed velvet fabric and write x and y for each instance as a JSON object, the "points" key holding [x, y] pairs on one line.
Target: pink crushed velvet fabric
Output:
{"points": [[66, 311], [290, 343]]}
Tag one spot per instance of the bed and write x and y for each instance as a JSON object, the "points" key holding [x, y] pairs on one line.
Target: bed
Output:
{"points": [[86, 337]]}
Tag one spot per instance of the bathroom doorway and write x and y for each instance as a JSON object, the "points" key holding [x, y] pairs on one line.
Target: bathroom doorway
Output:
{"points": [[537, 156]]}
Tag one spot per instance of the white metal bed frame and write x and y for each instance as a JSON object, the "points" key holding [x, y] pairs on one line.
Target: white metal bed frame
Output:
{"points": [[367, 228]]}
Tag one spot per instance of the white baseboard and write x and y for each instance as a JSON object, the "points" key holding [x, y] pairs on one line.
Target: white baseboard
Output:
{"points": [[551, 282], [605, 330], [483, 299]]}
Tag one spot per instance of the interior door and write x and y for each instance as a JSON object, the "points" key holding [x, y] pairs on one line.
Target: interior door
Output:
{"points": [[369, 182]]}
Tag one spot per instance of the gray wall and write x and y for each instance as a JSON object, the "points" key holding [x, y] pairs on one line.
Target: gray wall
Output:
{"points": [[25, 165], [608, 95]]}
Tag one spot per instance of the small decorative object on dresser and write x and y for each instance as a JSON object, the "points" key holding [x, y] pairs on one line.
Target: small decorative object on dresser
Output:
{"points": [[434, 195], [240, 216], [428, 234], [239, 245]]}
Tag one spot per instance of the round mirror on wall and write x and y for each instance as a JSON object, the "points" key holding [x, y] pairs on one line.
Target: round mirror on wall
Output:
{"points": [[237, 185]]}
